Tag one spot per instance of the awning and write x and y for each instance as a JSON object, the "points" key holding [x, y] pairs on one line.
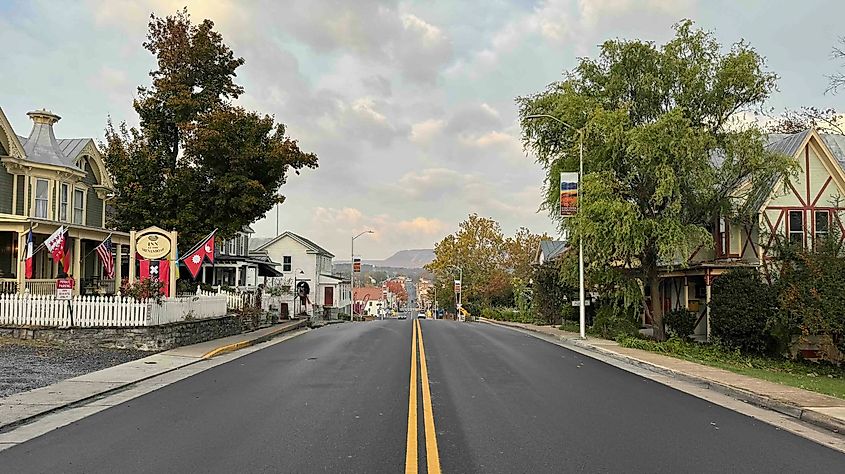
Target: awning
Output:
{"points": [[268, 270]]}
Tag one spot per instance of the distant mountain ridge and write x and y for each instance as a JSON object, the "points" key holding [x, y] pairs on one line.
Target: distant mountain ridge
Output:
{"points": [[414, 258]]}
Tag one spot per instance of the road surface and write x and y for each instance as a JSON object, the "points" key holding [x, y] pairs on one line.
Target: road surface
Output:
{"points": [[337, 400]]}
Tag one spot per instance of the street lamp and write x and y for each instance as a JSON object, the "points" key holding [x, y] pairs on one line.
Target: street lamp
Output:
{"points": [[352, 272], [459, 296], [581, 307], [295, 289]]}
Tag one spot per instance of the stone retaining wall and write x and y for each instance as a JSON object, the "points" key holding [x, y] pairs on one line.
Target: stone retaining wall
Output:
{"points": [[152, 338]]}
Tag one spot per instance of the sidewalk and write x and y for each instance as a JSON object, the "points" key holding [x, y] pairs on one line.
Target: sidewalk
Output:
{"points": [[815, 408], [24, 406]]}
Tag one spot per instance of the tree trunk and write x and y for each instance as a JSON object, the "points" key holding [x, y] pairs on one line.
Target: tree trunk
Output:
{"points": [[656, 306]]}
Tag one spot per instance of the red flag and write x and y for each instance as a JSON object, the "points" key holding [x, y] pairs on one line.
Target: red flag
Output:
{"points": [[208, 247], [66, 252], [194, 261], [29, 254], [157, 270]]}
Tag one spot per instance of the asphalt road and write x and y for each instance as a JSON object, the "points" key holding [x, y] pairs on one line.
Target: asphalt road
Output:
{"points": [[336, 400]]}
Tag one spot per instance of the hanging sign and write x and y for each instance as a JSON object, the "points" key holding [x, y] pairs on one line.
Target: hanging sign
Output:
{"points": [[457, 286], [568, 194], [356, 265], [152, 244]]}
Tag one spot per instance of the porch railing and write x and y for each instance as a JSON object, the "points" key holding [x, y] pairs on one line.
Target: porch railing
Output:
{"points": [[8, 286], [41, 287]]}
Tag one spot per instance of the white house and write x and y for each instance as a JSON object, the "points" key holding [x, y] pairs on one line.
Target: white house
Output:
{"points": [[304, 261], [235, 267]]}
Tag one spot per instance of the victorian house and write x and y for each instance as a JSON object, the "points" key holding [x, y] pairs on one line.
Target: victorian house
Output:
{"points": [[45, 183], [802, 209]]}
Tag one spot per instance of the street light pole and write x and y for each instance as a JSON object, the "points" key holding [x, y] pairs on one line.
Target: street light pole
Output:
{"points": [[352, 272], [581, 308]]}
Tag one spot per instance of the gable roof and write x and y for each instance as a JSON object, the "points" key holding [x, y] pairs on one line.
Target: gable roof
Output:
{"points": [[370, 292], [789, 145], [551, 249], [15, 148], [311, 246]]}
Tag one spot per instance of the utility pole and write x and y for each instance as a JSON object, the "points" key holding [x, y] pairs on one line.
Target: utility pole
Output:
{"points": [[352, 271], [581, 304]]}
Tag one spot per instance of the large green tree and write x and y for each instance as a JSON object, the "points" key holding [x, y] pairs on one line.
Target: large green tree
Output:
{"points": [[198, 161], [663, 154]]}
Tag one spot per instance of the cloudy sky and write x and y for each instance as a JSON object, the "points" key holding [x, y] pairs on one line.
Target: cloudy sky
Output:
{"points": [[408, 104]]}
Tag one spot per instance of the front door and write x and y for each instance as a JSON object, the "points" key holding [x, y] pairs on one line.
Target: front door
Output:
{"points": [[329, 299]]}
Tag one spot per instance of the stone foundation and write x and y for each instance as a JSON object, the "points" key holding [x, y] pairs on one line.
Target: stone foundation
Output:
{"points": [[152, 338]]}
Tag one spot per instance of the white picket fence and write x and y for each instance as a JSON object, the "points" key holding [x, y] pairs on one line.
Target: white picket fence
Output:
{"points": [[104, 311], [234, 300]]}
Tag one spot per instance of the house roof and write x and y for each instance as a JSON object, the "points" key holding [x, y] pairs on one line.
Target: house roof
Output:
{"points": [[41, 146], [551, 249], [302, 240], [367, 292], [786, 144]]}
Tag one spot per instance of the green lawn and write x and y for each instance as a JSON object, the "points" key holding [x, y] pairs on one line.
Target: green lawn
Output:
{"points": [[822, 378]]}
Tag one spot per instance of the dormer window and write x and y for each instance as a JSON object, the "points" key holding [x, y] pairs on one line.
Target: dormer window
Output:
{"points": [[42, 196]]}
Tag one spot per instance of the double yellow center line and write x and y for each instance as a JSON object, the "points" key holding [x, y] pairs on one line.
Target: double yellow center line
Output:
{"points": [[432, 457]]}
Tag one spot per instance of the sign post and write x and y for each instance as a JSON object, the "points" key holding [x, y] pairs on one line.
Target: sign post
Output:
{"points": [[64, 292], [155, 243]]}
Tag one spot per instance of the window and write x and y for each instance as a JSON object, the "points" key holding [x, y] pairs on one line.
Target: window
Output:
{"points": [[42, 195], [78, 206], [286, 263], [63, 200], [723, 241], [231, 245], [796, 227], [822, 223]]}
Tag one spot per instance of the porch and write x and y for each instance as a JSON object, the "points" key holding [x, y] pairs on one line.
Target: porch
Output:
{"points": [[85, 266]]}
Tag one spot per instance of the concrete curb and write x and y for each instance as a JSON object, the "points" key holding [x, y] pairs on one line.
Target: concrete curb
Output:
{"points": [[251, 342], [94, 396], [801, 413]]}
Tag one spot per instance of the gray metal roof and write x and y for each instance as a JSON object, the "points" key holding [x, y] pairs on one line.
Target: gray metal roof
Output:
{"points": [[71, 147], [552, 248], [786, 144], [836, 144], [42, 146]]}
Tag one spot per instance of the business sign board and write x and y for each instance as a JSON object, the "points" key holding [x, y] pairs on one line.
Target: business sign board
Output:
{"points": [[568, 194], [64, 288], [153, 244]]}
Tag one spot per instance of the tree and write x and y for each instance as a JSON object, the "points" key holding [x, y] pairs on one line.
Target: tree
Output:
{"points": [[551, 293], [661, 161], [520, 252], [794, 121], [478, 248], [197, 162]]}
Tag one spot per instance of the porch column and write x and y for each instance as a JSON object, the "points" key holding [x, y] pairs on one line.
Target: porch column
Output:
{"points": [[707, 281], [77, 264], [204, 280], [686, 293], [118, 271], [237, 276], [132, 256], [21, 262]]}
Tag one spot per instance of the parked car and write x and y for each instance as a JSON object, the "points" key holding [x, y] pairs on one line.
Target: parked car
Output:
{"points": [[420, 315]]}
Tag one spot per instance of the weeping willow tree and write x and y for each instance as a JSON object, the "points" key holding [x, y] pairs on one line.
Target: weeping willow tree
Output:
{"points": [[664, 154]]}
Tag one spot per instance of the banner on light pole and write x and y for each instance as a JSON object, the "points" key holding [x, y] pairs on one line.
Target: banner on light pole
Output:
{"points": [[568, 194], [356, 265], [457, 286]]}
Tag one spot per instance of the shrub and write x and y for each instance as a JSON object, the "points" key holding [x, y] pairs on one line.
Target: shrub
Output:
{"points": [[741, 310], [146, 288], [680, 322], [612, 322]]}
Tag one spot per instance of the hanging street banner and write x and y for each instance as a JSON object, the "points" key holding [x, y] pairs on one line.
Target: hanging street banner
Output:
{"points": [[356, 265], [568, 194], [457, 286]]}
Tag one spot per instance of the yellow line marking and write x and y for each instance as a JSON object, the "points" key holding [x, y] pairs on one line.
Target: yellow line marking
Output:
{"points": [[411, 451], [432, 456]]}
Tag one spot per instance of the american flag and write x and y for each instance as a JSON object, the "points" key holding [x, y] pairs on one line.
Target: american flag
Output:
{"points": [[104, 252]]}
